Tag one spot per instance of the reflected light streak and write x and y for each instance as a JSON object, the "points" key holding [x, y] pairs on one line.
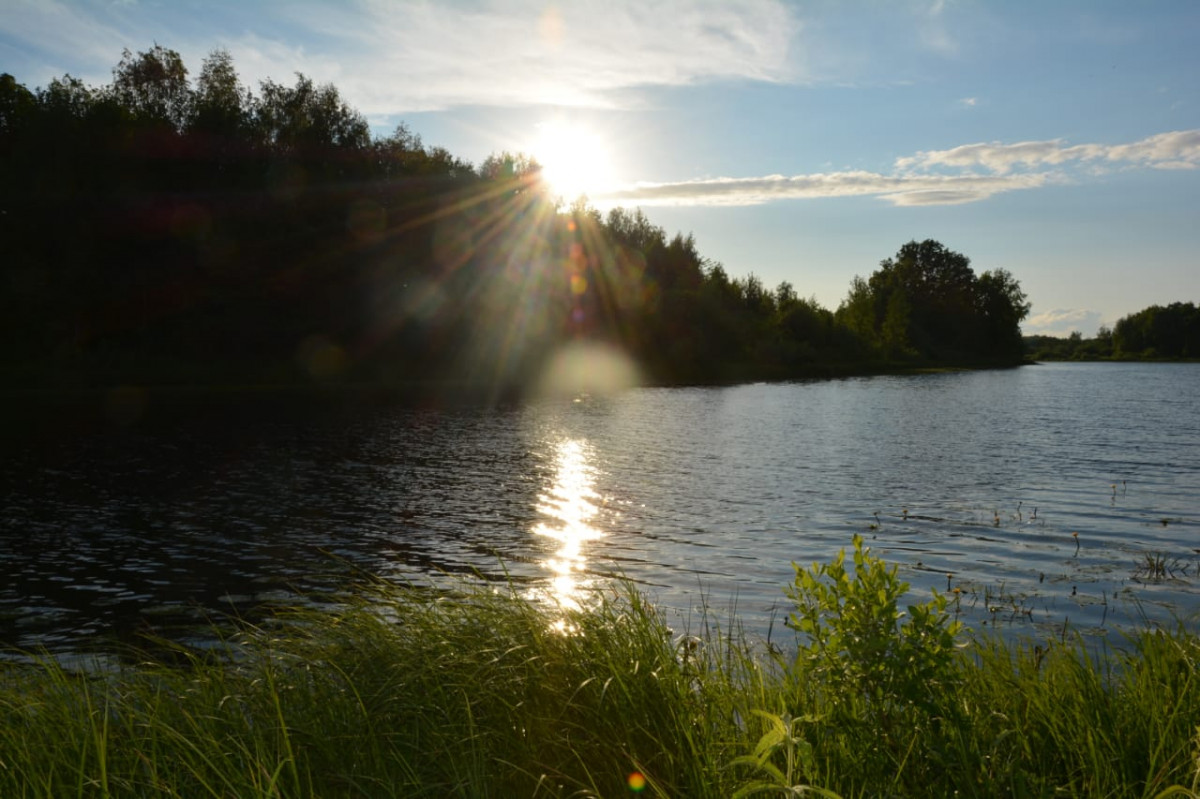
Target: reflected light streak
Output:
{"points": [[568, 507]]}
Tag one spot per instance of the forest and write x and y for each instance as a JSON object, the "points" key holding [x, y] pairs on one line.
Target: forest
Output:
{"points": [[1159, 332], [160, 230]]}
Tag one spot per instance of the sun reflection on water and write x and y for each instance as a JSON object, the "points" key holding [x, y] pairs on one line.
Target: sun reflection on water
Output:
{"points": [[568, 508]]}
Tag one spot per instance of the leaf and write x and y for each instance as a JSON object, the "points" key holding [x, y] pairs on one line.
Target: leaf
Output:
{"points": [[753, 788]]}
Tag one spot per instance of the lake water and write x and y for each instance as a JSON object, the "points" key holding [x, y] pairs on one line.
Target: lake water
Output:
{"points": [[1061, 494]]}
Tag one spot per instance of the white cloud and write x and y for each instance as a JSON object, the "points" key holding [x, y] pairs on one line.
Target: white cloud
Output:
{"points": [[1062, 322], [1166, 150], [901, 190], [1174, 150], [970, 102]]}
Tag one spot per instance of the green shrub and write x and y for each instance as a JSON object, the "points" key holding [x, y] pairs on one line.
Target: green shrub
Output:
{"points": [[860, 645]]}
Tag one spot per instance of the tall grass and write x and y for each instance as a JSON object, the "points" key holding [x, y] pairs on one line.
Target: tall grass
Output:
{"points": [[400, 694], [406, 693]]}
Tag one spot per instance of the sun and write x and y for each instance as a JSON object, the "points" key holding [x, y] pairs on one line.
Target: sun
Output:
{"points": [[575, 160]]}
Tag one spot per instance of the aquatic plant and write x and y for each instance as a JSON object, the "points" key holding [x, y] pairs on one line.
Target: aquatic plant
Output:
{"points": [[1158, 566]]}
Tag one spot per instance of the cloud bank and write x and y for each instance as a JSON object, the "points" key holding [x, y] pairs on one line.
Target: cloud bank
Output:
{"points": [[933, 177], [390, 57]]}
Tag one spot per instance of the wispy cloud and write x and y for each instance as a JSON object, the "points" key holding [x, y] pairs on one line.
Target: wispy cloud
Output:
{"points": [[68, 39], [933, 177], [577, 53], [933, 31], [391, 57], [1178, 149]]}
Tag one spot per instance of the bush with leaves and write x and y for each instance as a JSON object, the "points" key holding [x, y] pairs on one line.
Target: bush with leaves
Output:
{"points": [[858, 644]]}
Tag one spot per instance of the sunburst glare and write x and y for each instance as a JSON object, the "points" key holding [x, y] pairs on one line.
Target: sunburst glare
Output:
{"points": [[575, 160]]}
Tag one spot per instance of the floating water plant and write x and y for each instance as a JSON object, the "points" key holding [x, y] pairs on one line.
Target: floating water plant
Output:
{"points": [[1157, 566]]}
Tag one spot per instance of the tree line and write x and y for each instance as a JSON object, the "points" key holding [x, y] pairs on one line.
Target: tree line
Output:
{"points": [[168, 230], [1158, 332]]}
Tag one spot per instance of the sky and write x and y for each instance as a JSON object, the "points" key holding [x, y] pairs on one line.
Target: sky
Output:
{"points": [[798, 141]]}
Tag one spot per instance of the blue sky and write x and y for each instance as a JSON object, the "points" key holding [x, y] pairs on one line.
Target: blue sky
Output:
{"points": [[800, 141]]}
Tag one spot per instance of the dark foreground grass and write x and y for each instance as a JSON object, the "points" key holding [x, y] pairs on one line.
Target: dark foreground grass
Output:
{"points": [[404, 693]]}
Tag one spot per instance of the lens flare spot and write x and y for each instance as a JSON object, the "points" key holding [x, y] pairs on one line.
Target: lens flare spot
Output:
{"points": [[587, 367], [579, 284], [636, 782], [125, 404], [321, 358], [550, 26], [191, 222], [366, 221]]}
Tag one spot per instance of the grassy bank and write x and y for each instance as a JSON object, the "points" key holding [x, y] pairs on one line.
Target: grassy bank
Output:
{"points": [[408, 693]]}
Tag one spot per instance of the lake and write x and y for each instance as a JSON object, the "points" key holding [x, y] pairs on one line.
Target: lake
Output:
{"points": [[1058, 496]]}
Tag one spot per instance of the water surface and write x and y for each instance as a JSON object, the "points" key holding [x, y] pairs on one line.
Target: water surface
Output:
{"points": [[1062, 494]]}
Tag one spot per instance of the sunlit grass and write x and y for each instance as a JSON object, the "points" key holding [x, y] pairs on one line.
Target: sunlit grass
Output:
{"points": [[407, 692]]}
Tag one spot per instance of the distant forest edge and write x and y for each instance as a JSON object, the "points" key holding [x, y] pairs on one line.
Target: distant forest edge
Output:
{"points": [[1155, 333], [157, 230]]}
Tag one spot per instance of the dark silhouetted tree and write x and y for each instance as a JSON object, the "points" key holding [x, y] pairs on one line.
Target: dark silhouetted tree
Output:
{"points": [[306, 119], [153, 87], [221, 105], [927, 302], [1001, 306], [155, 231], [1172, 331]]}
